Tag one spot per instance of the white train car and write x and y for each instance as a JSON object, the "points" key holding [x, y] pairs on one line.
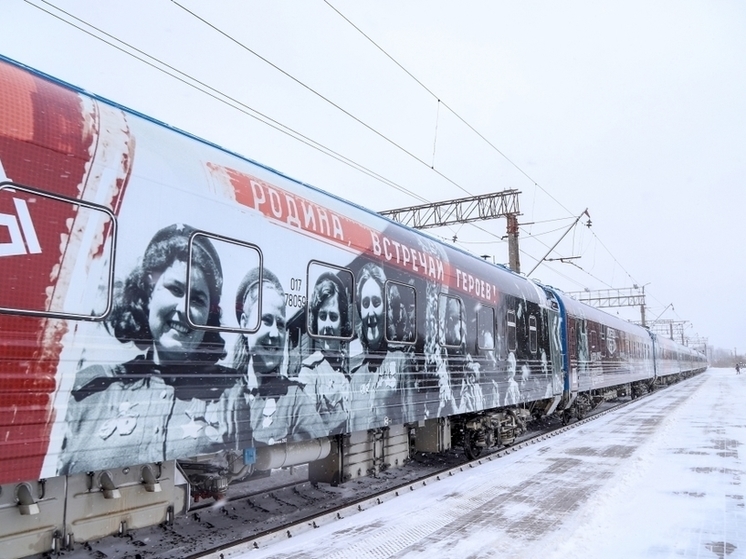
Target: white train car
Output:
{"points": [[174, 317]]}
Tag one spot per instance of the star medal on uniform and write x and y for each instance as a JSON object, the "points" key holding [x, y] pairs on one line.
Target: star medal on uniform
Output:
{"points": [[212, 418], [192, 429], [196, 414]]}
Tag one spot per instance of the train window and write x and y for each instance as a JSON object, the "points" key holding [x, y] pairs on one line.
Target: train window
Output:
{"points": [[603, 343], [594, 340], [533, 345], [57, 255], [204, 250], [573, 343], [401, 308], [512, 337], [329, 303], [486, 328], [452, 323]]}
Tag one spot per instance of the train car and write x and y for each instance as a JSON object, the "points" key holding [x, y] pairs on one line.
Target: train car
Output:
{"points": [[674, 361], [610, 357], [175, 317], [605, 352]]}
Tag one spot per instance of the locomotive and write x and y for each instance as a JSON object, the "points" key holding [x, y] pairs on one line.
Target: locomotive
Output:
{"points": [[175, 317]]}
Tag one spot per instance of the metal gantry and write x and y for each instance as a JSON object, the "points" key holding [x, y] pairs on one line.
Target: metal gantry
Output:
{"points": [[698, 343], [635, 297], [459, 210], [607, 298], [669, 328], [465, 210]]}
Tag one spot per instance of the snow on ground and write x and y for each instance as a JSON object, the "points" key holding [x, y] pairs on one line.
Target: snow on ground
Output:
{"points": [[659, 478]]}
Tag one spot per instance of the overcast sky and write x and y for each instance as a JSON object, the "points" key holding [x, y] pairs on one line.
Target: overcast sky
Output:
{"points": [[635, 110]]}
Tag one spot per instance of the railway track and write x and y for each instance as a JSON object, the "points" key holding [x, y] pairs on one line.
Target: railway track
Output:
{"points": [[267, 537], [261, 512]]}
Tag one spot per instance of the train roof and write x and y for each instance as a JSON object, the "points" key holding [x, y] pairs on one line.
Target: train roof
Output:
{"points": [[506, 281]]}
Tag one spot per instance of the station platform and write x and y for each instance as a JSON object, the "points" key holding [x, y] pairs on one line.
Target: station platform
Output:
{"points": [[661, 477]]}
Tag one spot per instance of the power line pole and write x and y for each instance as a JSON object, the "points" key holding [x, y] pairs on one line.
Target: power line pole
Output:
{"points": [[514, 257], [642, 307]]}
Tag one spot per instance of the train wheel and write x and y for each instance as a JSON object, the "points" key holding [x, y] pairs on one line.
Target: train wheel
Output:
{"points": [[471, 449], [519, 426]]}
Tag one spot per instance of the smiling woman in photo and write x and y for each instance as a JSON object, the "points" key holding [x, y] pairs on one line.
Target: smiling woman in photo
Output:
{"points": [[280, 409], [380, 382], [324, 372], [174, 400]]}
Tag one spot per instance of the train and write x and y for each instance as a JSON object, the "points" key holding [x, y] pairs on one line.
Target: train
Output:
{"points": [[175, 317]]}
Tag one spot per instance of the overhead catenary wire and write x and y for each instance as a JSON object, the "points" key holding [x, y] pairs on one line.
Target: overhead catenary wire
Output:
{"points": [[524, 253], [232, 102], [190, 81], [236, 104], [337, 106], [193, 82], [435, 136], [440, 101], [614, 258], [321, 96], [488, 142], [532, 235]]}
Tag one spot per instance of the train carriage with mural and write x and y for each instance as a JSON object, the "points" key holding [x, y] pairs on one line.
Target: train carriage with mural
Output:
{"points": [[175, 317]]}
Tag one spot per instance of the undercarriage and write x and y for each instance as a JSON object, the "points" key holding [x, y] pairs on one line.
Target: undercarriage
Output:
{"points": [[491, 429]]}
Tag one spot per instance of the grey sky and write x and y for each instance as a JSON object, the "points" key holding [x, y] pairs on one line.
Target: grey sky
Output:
{"points": [[635, 110]]}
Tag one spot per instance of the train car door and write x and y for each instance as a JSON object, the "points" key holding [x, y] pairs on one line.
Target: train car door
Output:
{"points": [[559, 355]]}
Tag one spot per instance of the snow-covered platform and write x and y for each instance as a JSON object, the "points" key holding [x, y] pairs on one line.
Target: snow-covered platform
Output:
{"points": [[659, 478]]}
